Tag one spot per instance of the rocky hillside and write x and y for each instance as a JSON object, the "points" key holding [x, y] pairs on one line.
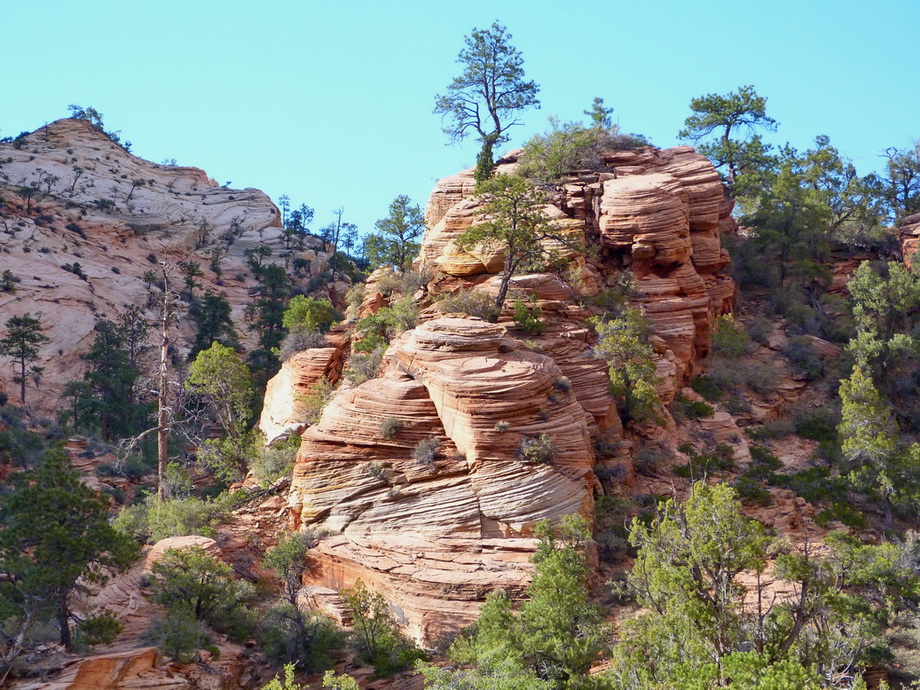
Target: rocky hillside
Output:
{"points": [[83, 221], [430, 479]]}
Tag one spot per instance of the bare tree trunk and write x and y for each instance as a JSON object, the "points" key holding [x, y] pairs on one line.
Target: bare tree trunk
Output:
{"points": [[15, 649], [64, 622], [163, 392]]}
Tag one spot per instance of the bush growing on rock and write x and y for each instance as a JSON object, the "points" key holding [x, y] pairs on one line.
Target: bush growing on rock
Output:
{"points": [[386, 324], [288, 558], [551, 642], [179, 635], [528, 319], [102, 628], [376, 635], [191, 581], [624, 342], [271, 464], [426, 451], [471, 303], [569, 147], [729, 337], [539, 450], [389, 427], [298, 340]]}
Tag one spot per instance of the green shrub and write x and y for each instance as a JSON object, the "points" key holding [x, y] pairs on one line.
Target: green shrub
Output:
{"points": [[271, 464], [177, 482], [288, 558], [683, 408], [309, 313], [750, 491], [315, 402], [775, 428], [102, 628], [471, 303], [298, 339], [717, 462], [376, 635], [539, 450], [615, 298], [365, 366], [426, 451], [804, 358], [729, 374], [706, 387], [624, 343], [760, 329], [729, 337], [814, 484], [376, 470], [179, 636], [562, 384], [817, 424], [18, 445], [763, 464], [842, 512], [289, 635], [389, 427], [193, 582], [149, 522], [402, 283], [528, 319], [390, 321], [571, 146], [354, 298], [649, 458]]}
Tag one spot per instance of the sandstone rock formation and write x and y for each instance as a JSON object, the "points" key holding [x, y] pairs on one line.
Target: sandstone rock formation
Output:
{"points": [[656, 212], [285, 407], [115, 216], [434, 532], [420, 475], [909, 233]]}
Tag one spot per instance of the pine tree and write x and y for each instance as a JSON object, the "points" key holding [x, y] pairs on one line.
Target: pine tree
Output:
{"points": [[23, 339], [55, 531]]}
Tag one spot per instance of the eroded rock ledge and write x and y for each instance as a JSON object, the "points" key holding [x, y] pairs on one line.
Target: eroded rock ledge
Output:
{"points": [[436, 535]]}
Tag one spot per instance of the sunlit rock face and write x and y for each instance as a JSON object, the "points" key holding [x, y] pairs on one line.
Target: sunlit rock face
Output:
{"points": [[909, 233], [656, 212], [435, 532], [90, 240]]}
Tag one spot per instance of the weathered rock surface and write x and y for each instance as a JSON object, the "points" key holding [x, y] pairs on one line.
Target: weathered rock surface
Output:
{"points": [[909, 233], [285, 408], [116, 216], [656, 212], [434, 532]]}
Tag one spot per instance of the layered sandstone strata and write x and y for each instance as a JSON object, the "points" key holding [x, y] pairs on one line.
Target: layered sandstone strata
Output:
{"points": [[286, 405], [655, 212], [435, 531], [102, 220]]}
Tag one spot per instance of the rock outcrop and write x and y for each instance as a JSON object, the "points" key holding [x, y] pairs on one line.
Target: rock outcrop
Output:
{"points": [[425, 478], [909, 233], [286, 407], [655, 212], [83, 221]]}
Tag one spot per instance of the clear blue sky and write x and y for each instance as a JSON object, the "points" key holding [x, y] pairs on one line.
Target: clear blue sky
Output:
{"points": [[330, 102]]}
